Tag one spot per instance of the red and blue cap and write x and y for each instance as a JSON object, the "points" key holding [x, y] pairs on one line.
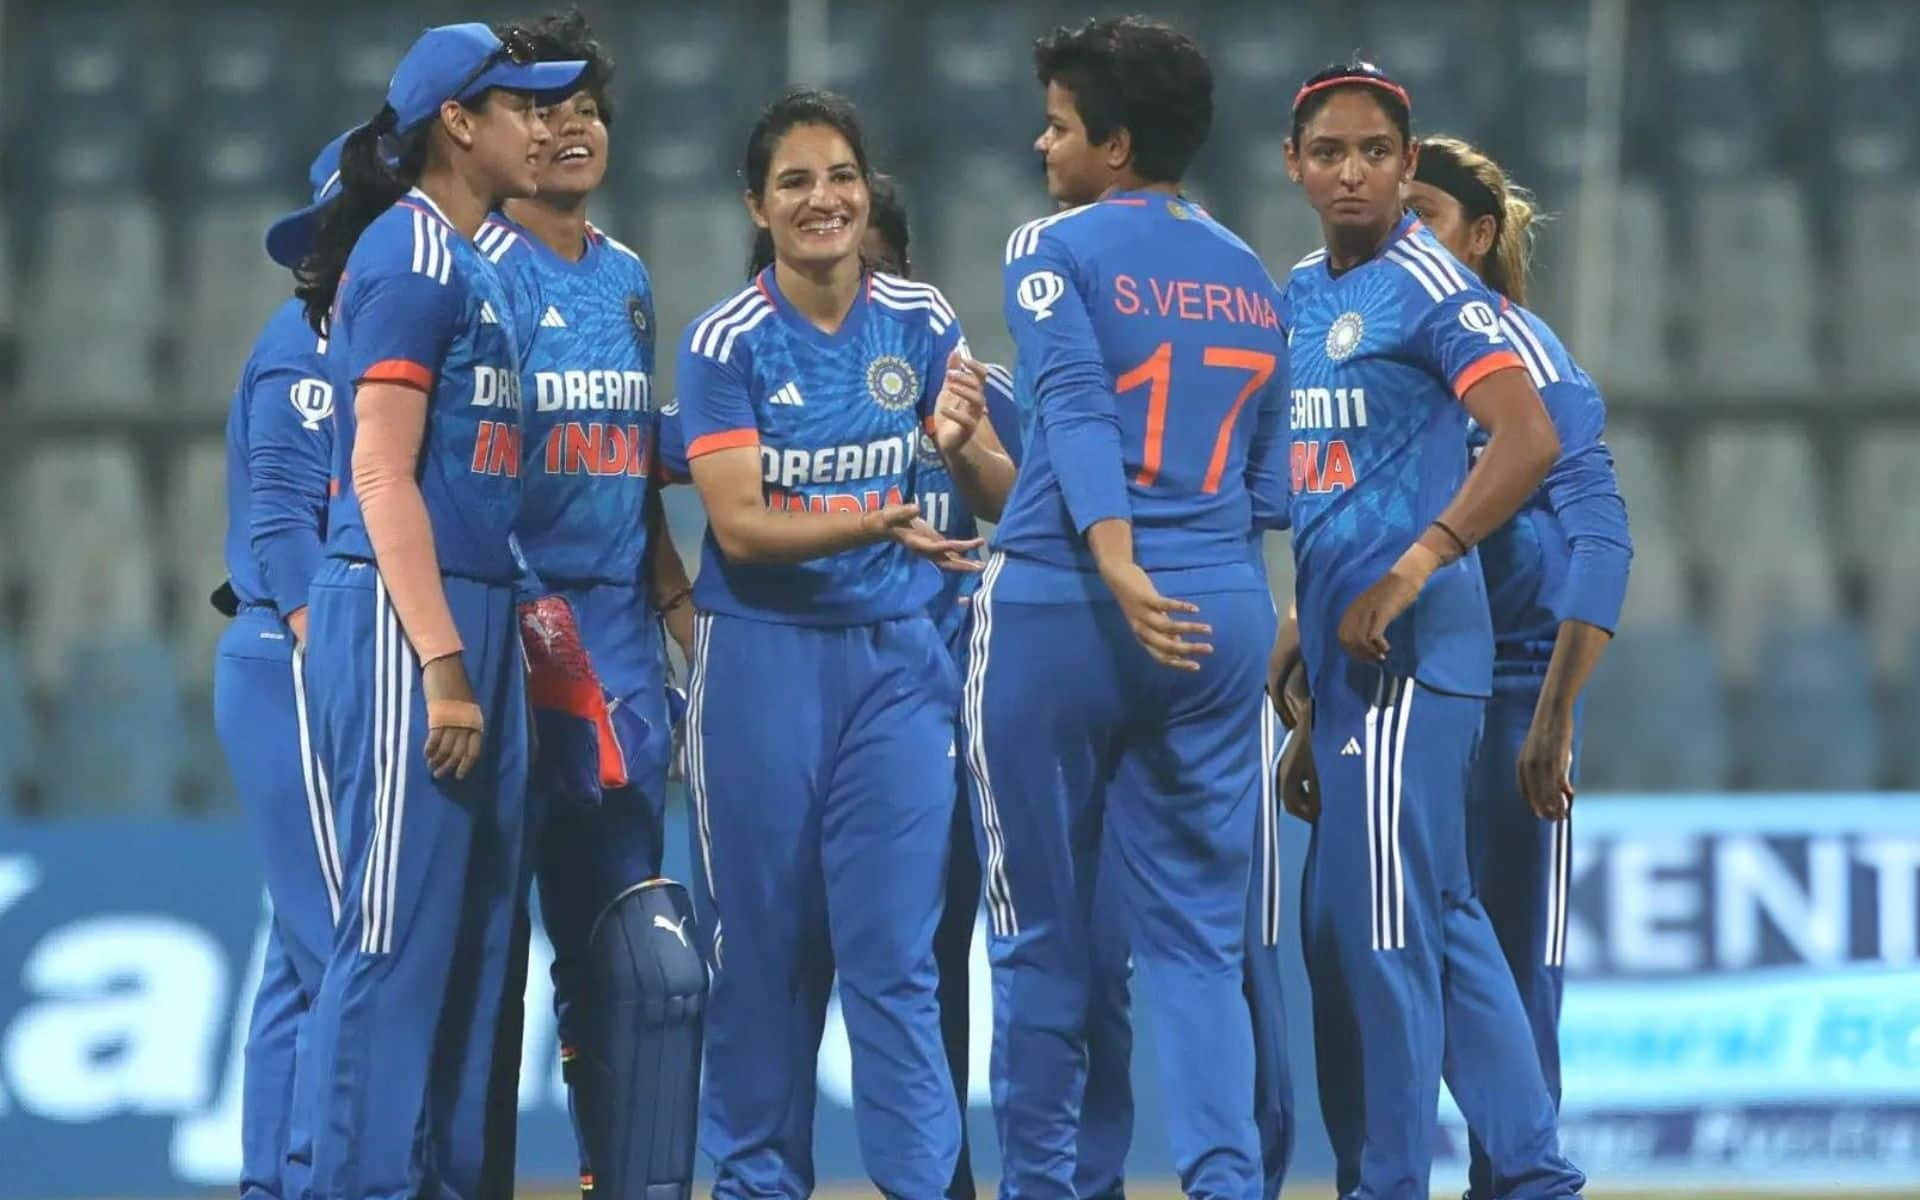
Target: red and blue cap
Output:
{"points": [[448, 62]]}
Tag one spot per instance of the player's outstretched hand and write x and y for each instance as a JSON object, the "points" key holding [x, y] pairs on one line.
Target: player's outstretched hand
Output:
{"points": [[1172, 642], [1298, 780], [904, 524], [454, 721], [961, 405], [1546, 757]]}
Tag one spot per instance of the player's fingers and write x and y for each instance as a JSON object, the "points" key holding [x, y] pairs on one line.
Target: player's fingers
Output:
{"points": [[961, 565], [1169, 604], [1158, 642], [469, 753], [436, 751]]}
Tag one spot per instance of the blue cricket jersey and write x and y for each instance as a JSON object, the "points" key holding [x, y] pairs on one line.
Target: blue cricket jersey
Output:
{"points": [[586, 333], [1564, 555], [419, 306], [837, 420], [279, 449], [1381, 353], [1150, 382]]}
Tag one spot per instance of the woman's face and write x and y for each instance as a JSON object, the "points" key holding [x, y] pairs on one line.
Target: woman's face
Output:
{"points": [[814, 200], [509, 139], [1352, 162], [574, 161]]}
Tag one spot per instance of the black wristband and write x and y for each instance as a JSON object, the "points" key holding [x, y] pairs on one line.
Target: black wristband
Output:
{"points": [[1447, 529]]}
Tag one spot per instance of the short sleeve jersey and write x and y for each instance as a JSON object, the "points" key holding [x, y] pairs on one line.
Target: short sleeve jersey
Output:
{"points": [[1381, 354], [586, 331], [279, 455], [836, 419], [1528, 561], [419, 306], [1144, 305]]}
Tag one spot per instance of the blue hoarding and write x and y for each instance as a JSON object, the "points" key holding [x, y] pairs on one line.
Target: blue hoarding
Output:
{"points": [[1743, 1005]]}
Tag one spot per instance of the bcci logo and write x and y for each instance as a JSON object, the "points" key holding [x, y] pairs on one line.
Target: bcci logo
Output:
{"points": [[892, 383], [1344, 338], [1039, 292], [1478, 316], [313, 400], [642, 323]]}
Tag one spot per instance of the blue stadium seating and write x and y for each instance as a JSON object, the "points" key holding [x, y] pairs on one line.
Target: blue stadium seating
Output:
{"points": [[1808, 722], [1633, 740], [117, 733], [17, 740]]}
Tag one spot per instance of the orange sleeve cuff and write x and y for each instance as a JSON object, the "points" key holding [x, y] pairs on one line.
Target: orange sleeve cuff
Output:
{"points": [[398, 370], [707, 443], [1498, 360]]}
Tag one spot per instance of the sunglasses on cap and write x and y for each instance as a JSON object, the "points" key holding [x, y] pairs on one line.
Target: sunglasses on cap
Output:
{"points": [[516, 47]]}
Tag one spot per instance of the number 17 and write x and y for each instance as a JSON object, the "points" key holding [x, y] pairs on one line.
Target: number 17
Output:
{"points": [[1157, 371]]}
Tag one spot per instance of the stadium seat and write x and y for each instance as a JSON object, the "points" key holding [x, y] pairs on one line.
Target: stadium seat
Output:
{"points": [[1633, 351], [1646, 469], [80, 529], [974, 69], [359, 49], [1761, 534], [1808, 723], [238, 53], [1280, 225], [1903, 713], [95, 52], [1721, 95], [1434, 59], [1879, 283], [1259, 62], [1869, 52], [1656, 714], [964, 232], [193, 541], [17, 739], [117, 731], [231, 288], [1881, 502], [1757, 301], [872, 59], [702, 238], [87, 343], [1550, 52]]}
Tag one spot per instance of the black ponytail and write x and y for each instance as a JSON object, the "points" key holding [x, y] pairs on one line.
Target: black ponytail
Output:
{"points": [[368, 187]]}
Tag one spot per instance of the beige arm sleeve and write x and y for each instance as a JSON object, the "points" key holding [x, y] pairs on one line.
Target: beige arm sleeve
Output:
{"points": [[392, 422]]}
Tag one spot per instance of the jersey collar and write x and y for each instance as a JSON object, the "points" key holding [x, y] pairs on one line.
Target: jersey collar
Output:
{"points": [[546, 253], [1408, 226], [850, 328], [422, 200]]}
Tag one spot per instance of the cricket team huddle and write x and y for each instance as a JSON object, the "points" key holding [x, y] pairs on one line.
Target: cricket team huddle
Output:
{"points": [[446, 682]]}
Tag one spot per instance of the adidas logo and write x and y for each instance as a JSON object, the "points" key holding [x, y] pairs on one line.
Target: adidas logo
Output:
{"points": [[552, 319], [1352, 747], [788, 395], [486, 314]]}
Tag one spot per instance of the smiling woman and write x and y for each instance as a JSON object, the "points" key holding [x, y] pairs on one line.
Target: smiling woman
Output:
{"points": [[822, 831]]}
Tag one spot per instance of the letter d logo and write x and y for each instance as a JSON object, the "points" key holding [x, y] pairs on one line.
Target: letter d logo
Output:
{"points": [[1039, 292]]}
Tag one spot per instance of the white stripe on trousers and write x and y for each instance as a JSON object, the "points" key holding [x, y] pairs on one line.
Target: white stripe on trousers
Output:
{"points": [[696, 751], [1386, 729], [1269, 829], [313, 774], [392, 722], [1006, 922], [1557, 886]]}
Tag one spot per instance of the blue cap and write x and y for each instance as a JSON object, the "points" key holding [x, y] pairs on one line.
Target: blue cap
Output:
{"points": [[290, 239], [444, 57]]}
